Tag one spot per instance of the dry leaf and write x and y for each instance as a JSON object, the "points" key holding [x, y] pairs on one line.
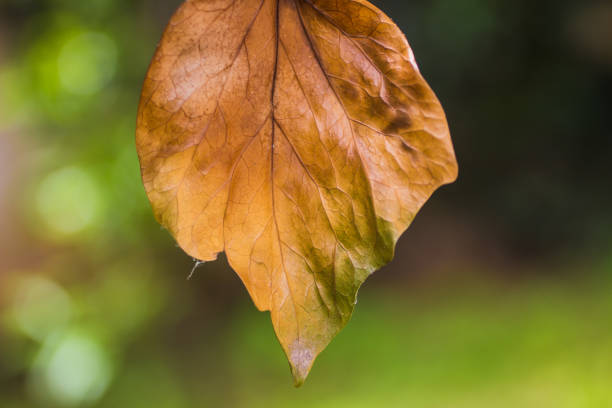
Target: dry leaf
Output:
{"points": [[299, 137]]}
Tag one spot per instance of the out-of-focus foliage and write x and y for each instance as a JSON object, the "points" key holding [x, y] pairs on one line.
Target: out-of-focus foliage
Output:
{"points": [[94, 305]]}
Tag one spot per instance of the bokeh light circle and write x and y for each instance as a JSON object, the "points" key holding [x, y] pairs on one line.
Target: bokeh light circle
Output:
{"points": [[40, 306], [87, 62], [73, 369], [68, 201]]}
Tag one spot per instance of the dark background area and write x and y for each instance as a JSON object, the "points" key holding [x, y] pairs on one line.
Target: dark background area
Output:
{"points": [[500, 293]]}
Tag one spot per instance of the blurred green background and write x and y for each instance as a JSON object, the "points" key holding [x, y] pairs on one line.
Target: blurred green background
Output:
{"points": [[500, 294]]}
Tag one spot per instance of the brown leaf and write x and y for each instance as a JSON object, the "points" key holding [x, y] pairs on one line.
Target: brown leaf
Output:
{"points": [[299, 137]]}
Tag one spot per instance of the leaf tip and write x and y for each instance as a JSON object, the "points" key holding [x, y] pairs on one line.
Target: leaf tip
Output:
{"points": [[301, 359]]}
